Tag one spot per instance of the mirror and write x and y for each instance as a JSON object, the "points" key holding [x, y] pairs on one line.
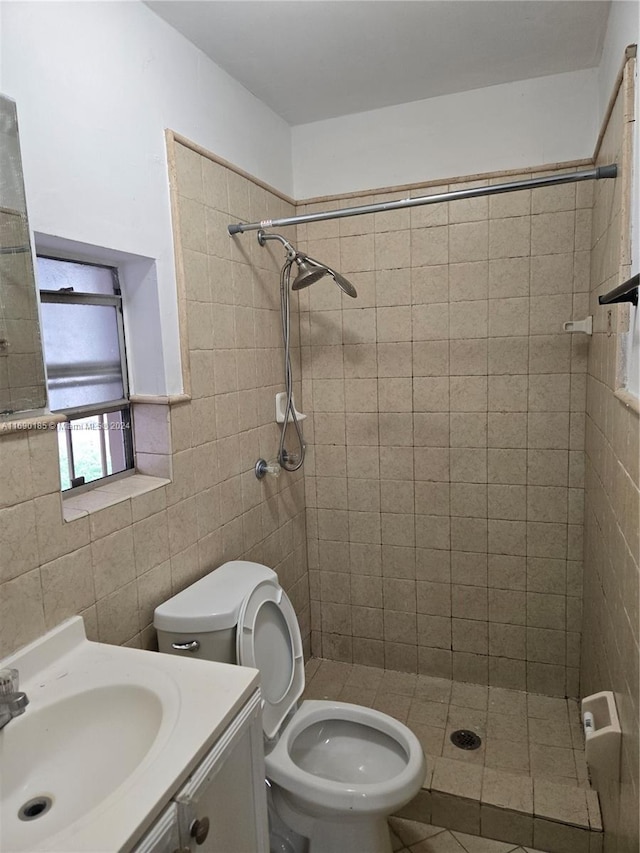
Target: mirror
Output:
{"points": [[22, 378]]}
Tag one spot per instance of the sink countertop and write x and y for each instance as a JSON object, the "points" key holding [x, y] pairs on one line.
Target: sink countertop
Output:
{"points": [[199, 699]]}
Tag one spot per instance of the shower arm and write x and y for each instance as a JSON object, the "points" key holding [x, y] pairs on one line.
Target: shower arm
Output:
{"points": [[263, 237], [595, 174]]}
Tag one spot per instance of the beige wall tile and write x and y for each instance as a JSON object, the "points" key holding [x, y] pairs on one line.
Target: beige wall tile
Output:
{"points": [[468, 242], [508, 317], [508, 393], [431, 429], [430, 284], [468, 394], [67, 585], [430, 246], [509, 277], [507, 502], [16, 484], [507, 430], [510, 237], [468, 281], [508, 355], [430, 358], [552, 233], [431, 394], [21, 611], [396, 429], [467, 429], [394, 359], [392, 250], [357, 253], [508, 467], [55, 536], [430, 322], [468, 319], [18, 542]]}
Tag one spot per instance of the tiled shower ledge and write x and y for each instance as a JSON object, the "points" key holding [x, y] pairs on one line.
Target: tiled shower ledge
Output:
{"points": [[536, 806]]}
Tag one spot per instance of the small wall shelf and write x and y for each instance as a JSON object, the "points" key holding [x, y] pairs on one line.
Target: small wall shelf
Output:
{"points": [[625, 292]]}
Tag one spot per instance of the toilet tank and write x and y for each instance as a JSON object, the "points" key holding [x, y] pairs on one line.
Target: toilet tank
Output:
{"points": [[203, 617]]}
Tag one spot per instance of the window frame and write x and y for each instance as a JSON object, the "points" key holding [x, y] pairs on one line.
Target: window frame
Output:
{"points": [[122, 405]]}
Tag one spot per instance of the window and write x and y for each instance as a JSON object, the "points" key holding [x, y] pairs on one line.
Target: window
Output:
{"points": [[83, 339]]}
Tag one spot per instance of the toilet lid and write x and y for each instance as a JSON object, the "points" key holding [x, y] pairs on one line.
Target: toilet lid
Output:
{"points": [[268, 638]]}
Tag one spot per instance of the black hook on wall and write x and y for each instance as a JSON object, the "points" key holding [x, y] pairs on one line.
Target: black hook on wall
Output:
{"points": [[625, 292]]}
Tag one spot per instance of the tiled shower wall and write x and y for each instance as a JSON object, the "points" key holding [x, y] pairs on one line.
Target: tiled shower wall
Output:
{"points": [[610, 653], [115, 565], [445, 483]]}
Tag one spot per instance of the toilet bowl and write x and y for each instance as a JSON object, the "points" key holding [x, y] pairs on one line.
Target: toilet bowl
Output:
{"points": [[340, 770], [336, 770]]}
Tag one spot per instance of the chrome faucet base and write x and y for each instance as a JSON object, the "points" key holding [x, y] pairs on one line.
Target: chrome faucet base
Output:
{"points": [[12, 701]]}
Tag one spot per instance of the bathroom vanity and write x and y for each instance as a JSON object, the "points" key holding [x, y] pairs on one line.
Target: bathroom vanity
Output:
{"points": [[220, 808], [122, 750]]}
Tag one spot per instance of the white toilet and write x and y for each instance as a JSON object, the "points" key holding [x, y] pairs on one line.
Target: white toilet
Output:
{"points": [[336, 770]]}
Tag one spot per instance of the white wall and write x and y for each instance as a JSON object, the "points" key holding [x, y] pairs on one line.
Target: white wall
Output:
{"points": [[623, 28], [513, 125], [96, 84]]}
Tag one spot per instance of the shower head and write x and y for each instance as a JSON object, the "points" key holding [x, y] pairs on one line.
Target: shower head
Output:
{"points": [[309, 270]]}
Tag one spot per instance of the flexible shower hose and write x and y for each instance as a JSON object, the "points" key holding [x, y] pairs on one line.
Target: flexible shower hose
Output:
{"points": [[287, 460]]}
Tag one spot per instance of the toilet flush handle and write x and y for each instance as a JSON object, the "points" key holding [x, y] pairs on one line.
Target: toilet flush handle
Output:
{"points": [[190, 646]]}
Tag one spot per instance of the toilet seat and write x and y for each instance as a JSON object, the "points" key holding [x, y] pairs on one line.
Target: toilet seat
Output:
{"points": [[343, 796], [268, 638]]}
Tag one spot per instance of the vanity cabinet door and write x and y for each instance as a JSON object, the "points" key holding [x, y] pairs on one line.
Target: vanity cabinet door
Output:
{"points": [[222, 806], [163, 836]]}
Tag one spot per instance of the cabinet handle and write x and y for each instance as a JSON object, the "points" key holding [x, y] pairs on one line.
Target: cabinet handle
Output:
{"points": [[199, 830], [191, 646]]}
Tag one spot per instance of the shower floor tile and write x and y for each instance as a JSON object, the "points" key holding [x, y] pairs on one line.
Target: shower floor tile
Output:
{"points": [[522, 733], [531, 754]]}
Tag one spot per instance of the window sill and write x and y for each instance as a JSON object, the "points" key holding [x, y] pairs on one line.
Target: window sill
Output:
{"points": [[77, 506]]}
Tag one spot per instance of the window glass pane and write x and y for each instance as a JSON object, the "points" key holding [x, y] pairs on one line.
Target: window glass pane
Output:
{"points": [[98, 444], [82, 353], [63, 453], [54, 274], [85, 439]]}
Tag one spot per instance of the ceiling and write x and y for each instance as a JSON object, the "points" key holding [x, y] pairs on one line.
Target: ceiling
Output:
{"points": [[315, 59]]}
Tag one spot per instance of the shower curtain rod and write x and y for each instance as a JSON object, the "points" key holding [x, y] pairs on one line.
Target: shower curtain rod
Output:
{"points": [[550, 180]]}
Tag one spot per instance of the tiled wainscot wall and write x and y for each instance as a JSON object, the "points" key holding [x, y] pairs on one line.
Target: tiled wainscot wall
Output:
{"points": [[114, 565]]}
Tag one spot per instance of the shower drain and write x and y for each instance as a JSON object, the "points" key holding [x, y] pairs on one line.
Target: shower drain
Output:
{"points": [[34, 808], [465, 739]]}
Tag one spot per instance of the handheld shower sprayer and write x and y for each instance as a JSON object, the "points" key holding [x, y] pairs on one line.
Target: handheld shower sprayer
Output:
{"points": [[308, 272]]}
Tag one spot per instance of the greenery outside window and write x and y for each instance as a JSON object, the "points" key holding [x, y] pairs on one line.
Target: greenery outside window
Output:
{"points": [[84, 349]]}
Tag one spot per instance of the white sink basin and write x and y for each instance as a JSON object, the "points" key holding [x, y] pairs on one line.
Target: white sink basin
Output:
{"points": [[108, 734], [46, 753]]}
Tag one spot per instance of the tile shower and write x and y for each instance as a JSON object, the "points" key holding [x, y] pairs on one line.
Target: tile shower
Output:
{"points": [[445, 494]]}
